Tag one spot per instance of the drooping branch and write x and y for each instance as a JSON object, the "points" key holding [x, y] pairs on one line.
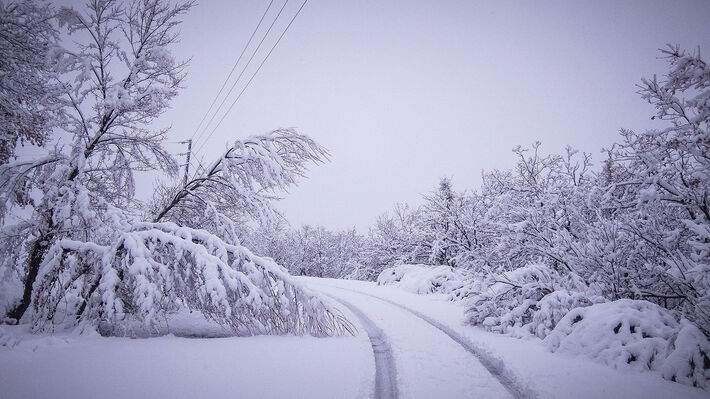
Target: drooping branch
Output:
{"points": [[248, 174]]}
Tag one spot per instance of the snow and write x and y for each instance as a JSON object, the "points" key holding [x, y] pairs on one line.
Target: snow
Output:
{"points": [[71, 366], [427, 361], [529, 300], [632, 333], [423, 279], [429, 364], [548, 375]]}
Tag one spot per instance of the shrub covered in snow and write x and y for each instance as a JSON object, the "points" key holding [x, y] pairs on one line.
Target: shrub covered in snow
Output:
{"points": [[423, 279], [527, 301], [638, 334]]}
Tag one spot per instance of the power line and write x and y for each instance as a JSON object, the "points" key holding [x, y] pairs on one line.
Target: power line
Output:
{"points": [[252, 76], [233, 68], [242, 71]]}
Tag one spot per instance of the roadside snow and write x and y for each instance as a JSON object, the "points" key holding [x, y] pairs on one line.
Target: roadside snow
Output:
{"points": [[549, 375], [422, 279], [638, 334], [71, 366]]}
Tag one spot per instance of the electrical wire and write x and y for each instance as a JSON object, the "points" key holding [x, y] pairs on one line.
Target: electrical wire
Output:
{"points": [[224, 84], [256, 50], [252, 76]]}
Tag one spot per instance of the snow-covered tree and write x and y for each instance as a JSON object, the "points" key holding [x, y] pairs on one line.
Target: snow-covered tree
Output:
{"points": [[275, 240], [441, 221], [86, 257], [30, 93], [397, 238], [119, 78], [533, 208], [243, 181], [154, 269], [661, 178]]}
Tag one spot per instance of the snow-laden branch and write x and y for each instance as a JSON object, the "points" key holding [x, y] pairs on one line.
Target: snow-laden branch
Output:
{"points": [[246, 177], [154, 269]]}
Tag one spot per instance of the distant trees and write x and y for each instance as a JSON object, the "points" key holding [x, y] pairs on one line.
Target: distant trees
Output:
{"points": [[442, 223], [397, 237], [313, 251]]}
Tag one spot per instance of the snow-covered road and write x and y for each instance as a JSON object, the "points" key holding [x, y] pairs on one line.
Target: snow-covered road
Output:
{"points": [[428, 362]]}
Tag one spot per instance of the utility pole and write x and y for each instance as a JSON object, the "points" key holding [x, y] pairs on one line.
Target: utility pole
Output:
{"points": [[187, 163]]}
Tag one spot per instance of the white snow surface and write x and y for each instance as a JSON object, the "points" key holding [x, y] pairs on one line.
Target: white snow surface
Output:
{"points": [[428, 363], [546, 375], [423, 279], [632, 333], [81, 366]]}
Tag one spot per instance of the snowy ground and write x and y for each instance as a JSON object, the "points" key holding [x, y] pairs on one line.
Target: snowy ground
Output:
{"points": [[173, 367], [423, 361]]}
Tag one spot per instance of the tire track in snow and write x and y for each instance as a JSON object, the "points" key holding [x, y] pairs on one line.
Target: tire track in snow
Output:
{"points": [[385, 371], [494, 365]]}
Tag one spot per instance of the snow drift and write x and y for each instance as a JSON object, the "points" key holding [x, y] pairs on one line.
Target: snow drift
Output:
{"points": [[637, 334], [423, 279]]}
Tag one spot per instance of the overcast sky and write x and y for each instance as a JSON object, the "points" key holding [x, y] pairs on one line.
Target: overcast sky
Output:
{"points": [[405, 92]]}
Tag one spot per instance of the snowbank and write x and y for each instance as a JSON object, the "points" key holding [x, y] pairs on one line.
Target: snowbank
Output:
{"points": [[637, 334], [423, 279]]}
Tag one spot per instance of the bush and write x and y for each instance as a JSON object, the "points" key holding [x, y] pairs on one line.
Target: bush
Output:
{"points": [[637, 334], [527, 301]]}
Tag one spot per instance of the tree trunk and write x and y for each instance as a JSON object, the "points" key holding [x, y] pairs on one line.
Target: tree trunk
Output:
{"points": [[39, 249]]}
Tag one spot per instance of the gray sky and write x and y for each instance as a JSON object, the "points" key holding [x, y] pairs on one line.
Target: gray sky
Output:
{"points": [[404, 92]]}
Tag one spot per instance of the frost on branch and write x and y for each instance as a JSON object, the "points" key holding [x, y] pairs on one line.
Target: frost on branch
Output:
{"points": [[30, 97], [663, 176], [637, 334], [155, 269]]}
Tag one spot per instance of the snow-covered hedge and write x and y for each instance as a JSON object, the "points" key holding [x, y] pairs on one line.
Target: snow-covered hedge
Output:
{"points": [[423, 279], [527, 301], [638, 334]]}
